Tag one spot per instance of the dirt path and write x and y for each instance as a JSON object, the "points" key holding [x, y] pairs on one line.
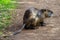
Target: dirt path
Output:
{"points": [[51, 31]]}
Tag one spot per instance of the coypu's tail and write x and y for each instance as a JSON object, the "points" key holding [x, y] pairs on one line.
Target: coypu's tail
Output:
{"points": [[19, 30]]}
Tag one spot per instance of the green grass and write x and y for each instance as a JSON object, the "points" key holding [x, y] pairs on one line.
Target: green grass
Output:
{"points": [[5, 13]]}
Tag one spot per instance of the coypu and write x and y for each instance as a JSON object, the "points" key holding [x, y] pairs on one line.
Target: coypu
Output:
{"points": [[34, 17]]}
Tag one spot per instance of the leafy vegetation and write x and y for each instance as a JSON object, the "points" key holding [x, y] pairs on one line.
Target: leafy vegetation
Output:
{"points": [[5, 14], [6, 4]]}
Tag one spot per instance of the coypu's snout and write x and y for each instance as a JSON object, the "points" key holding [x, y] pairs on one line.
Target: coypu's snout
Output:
{"points": [[50, 14]]}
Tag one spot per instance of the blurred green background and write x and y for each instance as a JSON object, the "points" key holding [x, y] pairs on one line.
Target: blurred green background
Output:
{"points": [[5, 13]]}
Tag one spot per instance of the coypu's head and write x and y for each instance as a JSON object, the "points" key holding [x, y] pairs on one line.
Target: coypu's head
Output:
{"points": [[48, 13]]}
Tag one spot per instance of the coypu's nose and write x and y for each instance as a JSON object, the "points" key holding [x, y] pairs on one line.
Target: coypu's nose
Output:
{"points": [[52, 15]]}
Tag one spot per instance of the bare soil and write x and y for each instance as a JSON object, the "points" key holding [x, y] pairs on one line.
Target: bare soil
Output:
{"points": [[49, 32]]}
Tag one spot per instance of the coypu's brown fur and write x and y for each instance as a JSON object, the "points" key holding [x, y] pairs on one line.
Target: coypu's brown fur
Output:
{"points": [[34, 17]]}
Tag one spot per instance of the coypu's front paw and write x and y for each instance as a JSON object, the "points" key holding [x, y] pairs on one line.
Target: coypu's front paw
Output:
{"points": [[42, 24]]}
